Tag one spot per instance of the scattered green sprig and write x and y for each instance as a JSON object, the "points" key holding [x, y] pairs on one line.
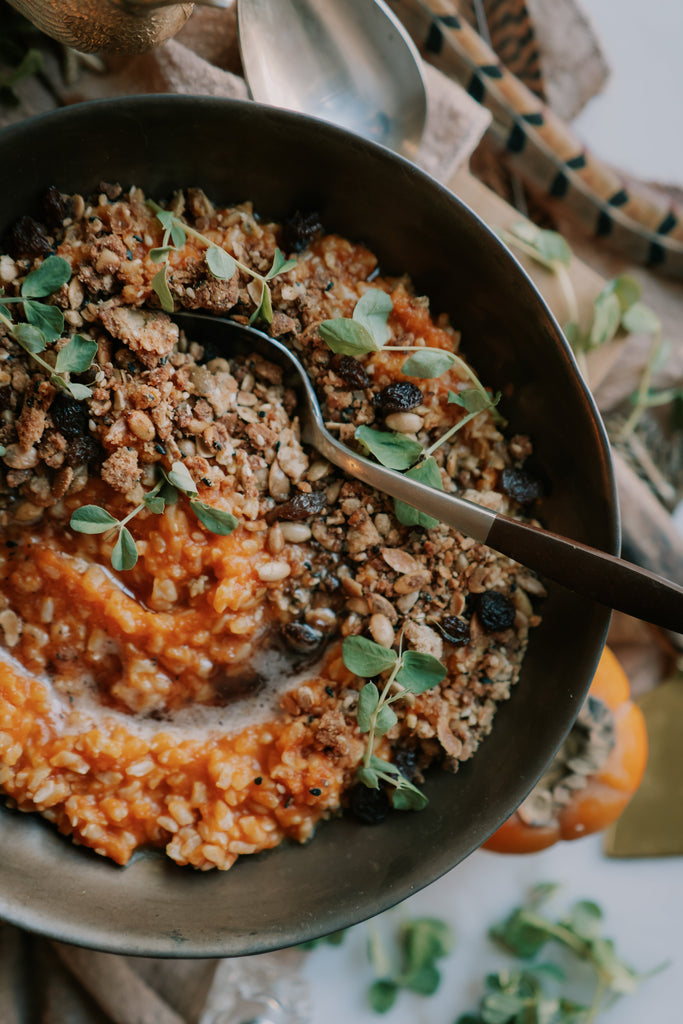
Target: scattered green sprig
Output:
{"points": [[408, 672], [521, 996], [93, 519], [422, 942], [367, 331], [220, 262], [44, 325]]}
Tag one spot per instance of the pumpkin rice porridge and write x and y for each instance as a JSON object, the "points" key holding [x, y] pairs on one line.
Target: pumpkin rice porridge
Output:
{"points": [[195, 698]]}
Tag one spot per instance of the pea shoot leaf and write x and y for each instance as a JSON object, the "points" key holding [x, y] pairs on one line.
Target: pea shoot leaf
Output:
{"points": [[386, 719], [420, 672], [170, 223], [220, 263], [125, 554], [347, 337], [216, 520], [372, 312], [368, 777], [393, 450], [52, 273], [160, 286], [585, 918], [425, 939], [48, 319], [606, 318], [368, 699], [365, 658], [179, 476], [473, 399], [160, 254], [382, 995], [640, 319], [92, 519], [280, 265], [264, 310], [155, 503], [428, 363], [549, 246], [76, 390], [626, 289], [426, 472], [77, 355], [29, 337]]}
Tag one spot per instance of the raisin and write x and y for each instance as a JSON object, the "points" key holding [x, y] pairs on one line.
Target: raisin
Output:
{"points": [[55, 207], [301, 506], [495, 611], [27, 237], [398, 397], [352, 373], [300, 230], [69, 416], [455, 630], [370, 806], [82, 450], [302, 638], [521, 486], [405, 760]]}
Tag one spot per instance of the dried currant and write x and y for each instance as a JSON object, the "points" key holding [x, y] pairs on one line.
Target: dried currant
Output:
{"points": [[300, 230], [405, 760], [55, 207], [370, 806], [82, 450], [455, 630], [495, 610], [27, 237], [352, 373], [302, 638], [69, 416], [521, 485], [301, 506], [401, 396]]}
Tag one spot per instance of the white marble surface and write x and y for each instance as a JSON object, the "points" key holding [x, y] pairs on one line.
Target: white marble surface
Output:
{"points": [[642, 901]]}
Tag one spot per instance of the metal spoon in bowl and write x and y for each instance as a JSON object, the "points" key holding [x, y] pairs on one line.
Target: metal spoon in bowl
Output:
{"points": [[346, 61], [587, 571]]}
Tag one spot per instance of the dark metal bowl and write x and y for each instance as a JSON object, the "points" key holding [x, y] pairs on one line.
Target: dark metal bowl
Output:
{"points": [[282, 161]]}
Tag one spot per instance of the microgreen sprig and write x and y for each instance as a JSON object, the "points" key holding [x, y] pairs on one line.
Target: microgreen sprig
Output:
{"points": [[93, 519], [421, 943], [409, 672], [220, 262], [367, 331], [44, 324]]}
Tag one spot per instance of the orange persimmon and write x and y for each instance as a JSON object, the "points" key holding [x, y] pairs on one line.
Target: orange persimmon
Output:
{"points": [[607, 792]]}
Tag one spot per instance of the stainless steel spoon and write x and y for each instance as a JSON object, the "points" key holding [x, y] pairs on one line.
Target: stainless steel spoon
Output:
{"points": [[587, 571], [346, 61]]}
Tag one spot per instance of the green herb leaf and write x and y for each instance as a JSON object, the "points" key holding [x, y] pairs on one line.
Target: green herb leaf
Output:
{"points": [[372, 312], [125, 553], [407, 797], [584, 919], [165, 218], [365, 658], [382, 995], [77, 355], [627, 290], [425, 939], [640, 319], [216, 520], [160, 286], [220, 263], [92, 519], [428, 363], [155, 503], [426, 472], [29, 337], [280, 265], [549, 246], [264, 310], [48, 319], [394, 450], [368, 699], [520, 936], [606, 318], [473, 399], [179, 476], [347, 337], [386, 719], [368, 777], [160, 254], [52, 273], [178, 235], [77, 391], [424, 980], [420, 672]]}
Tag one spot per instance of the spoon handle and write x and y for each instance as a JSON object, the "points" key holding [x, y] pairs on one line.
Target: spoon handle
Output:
{"points": [[605, 578], [587, 571]]}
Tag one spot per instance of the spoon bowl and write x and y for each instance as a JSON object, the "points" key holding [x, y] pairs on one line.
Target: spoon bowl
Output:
{"points": [[595, 574], [350, 62]]}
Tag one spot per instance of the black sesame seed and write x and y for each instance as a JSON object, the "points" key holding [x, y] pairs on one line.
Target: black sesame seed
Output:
{"points": [[315, 791]]}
